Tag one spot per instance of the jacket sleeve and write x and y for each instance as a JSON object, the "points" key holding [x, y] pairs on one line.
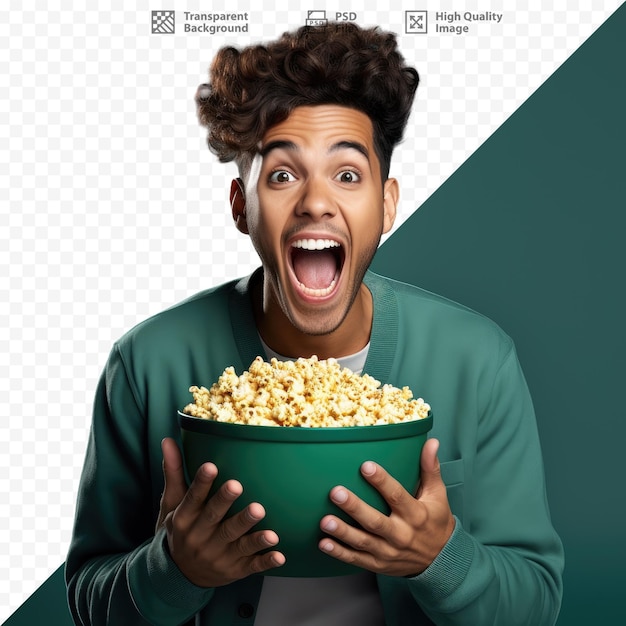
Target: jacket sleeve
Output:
{"points": [[118, 572], [504, 564]]}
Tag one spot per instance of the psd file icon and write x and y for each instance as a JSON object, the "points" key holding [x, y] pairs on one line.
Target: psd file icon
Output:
{"points": [[316, 18]]}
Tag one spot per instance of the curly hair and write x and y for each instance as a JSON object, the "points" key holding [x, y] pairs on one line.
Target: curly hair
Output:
{"points": [[252, 89]]}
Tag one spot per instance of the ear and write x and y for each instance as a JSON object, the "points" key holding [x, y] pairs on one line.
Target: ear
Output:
{"points": [[391, 196], [238, 204]]}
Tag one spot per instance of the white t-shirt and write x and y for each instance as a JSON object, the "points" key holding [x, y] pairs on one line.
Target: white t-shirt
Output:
{"points": [[333, 601]]}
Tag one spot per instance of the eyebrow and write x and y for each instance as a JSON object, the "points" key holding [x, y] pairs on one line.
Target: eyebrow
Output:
{"points": [[351, 145], [278, 145], [290, 145]]}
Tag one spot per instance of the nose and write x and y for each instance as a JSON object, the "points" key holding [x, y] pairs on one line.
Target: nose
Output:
{"points": [[316, 201]]}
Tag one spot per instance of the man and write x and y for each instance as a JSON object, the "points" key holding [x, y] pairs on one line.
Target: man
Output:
{"points": [[311, 121]]}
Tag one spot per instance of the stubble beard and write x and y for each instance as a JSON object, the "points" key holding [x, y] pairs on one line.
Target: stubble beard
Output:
{"points": [[326, 327]]}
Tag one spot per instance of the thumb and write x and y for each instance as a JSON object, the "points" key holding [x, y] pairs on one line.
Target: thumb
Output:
{"points": [[174, 476], [430, 470]]}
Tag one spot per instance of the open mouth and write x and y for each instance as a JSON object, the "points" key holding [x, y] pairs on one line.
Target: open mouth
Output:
{"points": [[317, 265]]}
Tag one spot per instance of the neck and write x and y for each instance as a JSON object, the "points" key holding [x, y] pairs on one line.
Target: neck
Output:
{"points": [[352, 335]]}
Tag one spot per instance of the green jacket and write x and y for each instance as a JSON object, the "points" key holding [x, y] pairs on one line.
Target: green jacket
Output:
{"points": [[502, 565]]}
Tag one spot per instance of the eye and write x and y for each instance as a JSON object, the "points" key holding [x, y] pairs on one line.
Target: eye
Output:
{"points": [[348, 176], [281, 176]]}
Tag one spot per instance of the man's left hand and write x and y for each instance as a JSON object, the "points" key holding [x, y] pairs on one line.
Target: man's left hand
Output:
{"points": [[403, 543]]}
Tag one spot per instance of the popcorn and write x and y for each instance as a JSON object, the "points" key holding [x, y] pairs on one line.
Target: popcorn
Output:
{"points": [[305, 393]]}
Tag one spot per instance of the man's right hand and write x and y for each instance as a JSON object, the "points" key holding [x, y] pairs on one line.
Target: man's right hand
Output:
{"points": [[209, 550]]}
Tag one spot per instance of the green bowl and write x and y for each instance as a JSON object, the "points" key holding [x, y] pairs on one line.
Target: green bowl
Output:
{"points": [[291, 471]]}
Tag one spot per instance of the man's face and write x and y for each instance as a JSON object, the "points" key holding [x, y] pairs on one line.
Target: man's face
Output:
{"points": [[315, 210]]}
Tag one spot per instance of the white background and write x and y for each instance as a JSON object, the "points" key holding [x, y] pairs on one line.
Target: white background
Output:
{"points": [[112, 207]]}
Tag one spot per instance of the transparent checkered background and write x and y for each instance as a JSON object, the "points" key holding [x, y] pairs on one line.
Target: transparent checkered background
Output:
{"points": [[112, 208]]}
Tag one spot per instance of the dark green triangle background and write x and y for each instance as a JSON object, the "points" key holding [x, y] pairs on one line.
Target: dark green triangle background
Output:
{"points": [[530, 231]]}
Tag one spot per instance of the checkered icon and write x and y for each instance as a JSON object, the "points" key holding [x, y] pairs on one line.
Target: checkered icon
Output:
{"points": [[163, 22]]}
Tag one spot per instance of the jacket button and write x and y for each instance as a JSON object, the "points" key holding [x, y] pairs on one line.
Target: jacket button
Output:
{"points": [[245, 610]]}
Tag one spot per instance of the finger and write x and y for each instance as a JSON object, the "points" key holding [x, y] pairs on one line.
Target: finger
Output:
{"points": [[263, 562], [239, 524], [251, 543], [395, 495], [173, 471], [175, 486], [429, 462], [348, 555], [195, 497], [430, 469], [219, 504], [371, 519], [356, 538]]}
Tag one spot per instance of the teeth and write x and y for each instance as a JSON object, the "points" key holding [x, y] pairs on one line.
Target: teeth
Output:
{"points": [[318, 293], [315, 244]]}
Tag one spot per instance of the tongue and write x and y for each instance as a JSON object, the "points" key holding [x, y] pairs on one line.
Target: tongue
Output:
{"points": [[314, 269]]}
